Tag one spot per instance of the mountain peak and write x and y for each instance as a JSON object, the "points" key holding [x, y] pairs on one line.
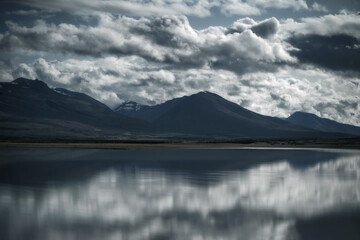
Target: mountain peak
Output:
{"points": [[204, 96], [203, 113], [300, 113], [129, 106], [204, 93], [33, 106], [313, 121], [28, 82]]}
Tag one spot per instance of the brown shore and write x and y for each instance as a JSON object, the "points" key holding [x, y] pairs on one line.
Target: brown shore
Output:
{"points": [[125, 146]]}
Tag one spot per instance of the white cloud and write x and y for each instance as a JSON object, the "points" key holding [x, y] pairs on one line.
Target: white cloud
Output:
{"points": [[235, 7], [110, 80], [153, 60], [327, 25], [167, 39], [302, 90], [318, 7], [25, 71], [113, 80]]}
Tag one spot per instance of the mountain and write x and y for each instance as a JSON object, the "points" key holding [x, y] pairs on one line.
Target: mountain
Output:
{"points": [[80, 96], [322, 124], [31, 108], [27, 104], [144, 112], [209, 114], [131, 109]]}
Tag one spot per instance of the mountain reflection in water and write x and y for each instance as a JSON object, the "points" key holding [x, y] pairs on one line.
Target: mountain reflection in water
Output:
{"points": [[179, 194]]}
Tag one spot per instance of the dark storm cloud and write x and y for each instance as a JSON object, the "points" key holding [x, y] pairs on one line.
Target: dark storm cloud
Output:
{"points": [[264, 29], [327, 25], [281, 101], [245, 46], [267, 28], [233, 90], [337, 52], [331, 41], [242, 65], [158, 30], [112, 80], [169, 39], [151, 60], [341, 108], [198, 8]]}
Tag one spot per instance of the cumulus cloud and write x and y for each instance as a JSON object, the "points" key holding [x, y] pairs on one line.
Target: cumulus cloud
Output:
{"points": [[327, 25], [267, 28], [318, 7], [113, 80], [264, 29], [234, 7], [305, 90], [167, 39], [110, 80], [337, 52], [246, 46], [25, 71], [5, 71], [328, 41], [281, 65]]}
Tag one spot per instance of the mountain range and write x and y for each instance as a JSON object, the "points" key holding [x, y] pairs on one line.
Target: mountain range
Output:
{"points": [[31, 108], [208, 113], [322, 124]]}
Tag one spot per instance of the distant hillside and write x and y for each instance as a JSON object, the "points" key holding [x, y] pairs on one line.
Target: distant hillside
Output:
{"points": [[210, 114], [322, 124], [31, 108], [80, 96], [144, 112], [27, 105]]}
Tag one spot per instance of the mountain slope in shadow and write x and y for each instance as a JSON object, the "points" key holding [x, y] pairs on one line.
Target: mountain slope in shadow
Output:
{"points": [[322, 124], [26, 104], [30, 107], [209, 114]]}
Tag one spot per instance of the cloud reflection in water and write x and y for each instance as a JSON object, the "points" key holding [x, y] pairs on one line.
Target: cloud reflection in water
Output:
{"points": [[261, 202]]}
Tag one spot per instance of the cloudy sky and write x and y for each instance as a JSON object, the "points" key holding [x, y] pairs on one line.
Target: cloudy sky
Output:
{"points": [[274, 57]]}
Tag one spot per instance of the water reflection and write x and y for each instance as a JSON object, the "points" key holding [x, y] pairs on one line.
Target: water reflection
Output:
{"points": [[224, 199]]}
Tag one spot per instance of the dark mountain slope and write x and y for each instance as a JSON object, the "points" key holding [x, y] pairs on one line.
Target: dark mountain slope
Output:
{"points": [[80, 96], [322, 124], [144, 112], [30, 107], [32, 101], [210, 114]]}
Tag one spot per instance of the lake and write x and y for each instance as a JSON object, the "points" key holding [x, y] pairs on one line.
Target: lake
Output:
{"points": [[179, 194]]}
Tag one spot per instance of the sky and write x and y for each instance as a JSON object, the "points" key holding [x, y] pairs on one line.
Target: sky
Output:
{"points": [[274, 57]]}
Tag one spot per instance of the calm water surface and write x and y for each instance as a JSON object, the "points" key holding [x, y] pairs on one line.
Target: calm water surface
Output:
{"points": [[179, 194]]}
